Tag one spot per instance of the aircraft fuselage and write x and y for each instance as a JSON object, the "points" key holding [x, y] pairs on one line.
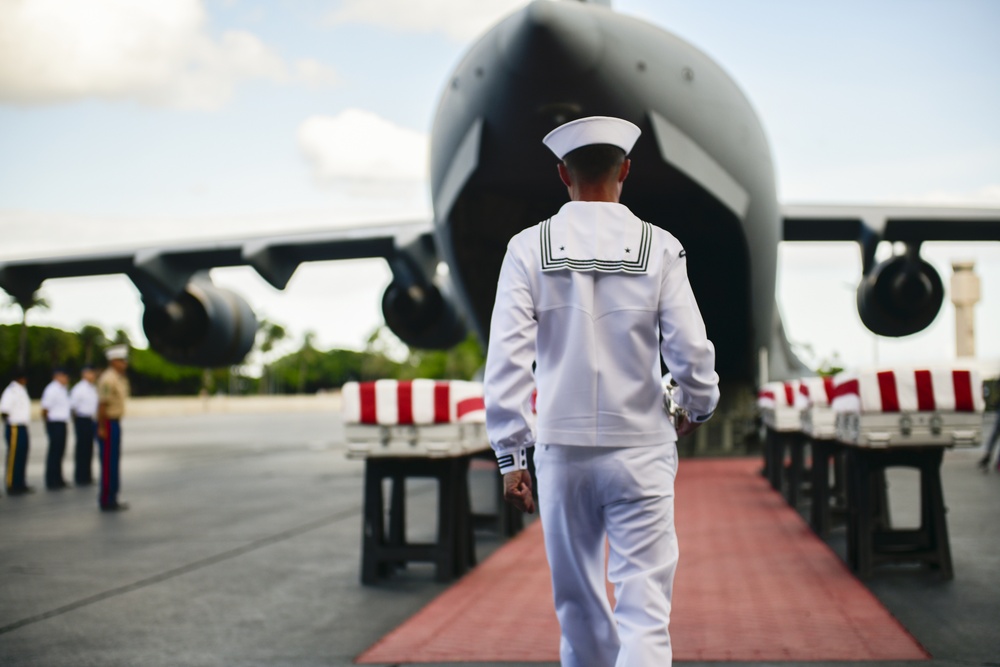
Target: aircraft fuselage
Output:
{"points": [[701, 170]]}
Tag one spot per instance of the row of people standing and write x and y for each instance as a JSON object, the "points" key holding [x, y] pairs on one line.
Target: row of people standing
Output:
{"points": [[96, 409], [59, 405]]}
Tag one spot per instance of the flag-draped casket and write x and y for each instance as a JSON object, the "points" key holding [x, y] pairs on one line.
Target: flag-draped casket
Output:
{"points": [[413, 417], [906, 407]]}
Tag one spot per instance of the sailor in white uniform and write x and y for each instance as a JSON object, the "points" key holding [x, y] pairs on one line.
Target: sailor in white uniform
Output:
{"points": [[593, 296], [55, 413], [83, 401], [15, 406]]}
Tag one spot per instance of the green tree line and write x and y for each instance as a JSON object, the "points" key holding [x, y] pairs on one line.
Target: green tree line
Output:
{"points": [[306, 370]]}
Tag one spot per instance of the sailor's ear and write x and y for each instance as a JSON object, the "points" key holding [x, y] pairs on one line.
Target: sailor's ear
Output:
{"points": [[564, 175], [623, 172]]}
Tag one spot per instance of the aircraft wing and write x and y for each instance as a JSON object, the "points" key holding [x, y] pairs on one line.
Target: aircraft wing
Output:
{"points": [[910, 224], [190, 321], [903, 294], [168, 269]]}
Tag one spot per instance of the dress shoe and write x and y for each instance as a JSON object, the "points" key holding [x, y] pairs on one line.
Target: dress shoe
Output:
{"points": [[116, 507], [20, 490], [57, 487]]}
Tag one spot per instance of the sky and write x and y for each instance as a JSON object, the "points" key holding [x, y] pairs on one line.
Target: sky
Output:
{"points": [[127, 124]]}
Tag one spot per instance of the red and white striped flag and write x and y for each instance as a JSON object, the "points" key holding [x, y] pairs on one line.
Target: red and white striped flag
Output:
{"points": [[906, 390], [815, 391], [778, 394], [416, 402]]}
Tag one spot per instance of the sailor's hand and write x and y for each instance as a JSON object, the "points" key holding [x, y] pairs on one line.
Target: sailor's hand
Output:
{"points": [[684, 425], [517, 490], [102, 431]]}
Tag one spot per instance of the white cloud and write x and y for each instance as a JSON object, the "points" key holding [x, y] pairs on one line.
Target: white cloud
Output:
{"points": [[459, 19], [358, 146], [315, 74], [156, 52]]}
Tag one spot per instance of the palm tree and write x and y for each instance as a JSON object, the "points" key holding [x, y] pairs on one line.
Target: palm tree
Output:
{"points": [[268, 333], [36, 301], [92, 338]]}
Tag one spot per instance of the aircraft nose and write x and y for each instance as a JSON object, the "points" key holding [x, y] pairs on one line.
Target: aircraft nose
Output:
{"points": [[560, 38]]}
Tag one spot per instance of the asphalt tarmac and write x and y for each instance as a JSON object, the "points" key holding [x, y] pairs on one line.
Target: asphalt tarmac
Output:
{"points": [[242, 547]]}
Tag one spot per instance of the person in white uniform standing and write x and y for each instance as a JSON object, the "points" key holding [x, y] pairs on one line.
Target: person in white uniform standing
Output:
{"points": [[83, 402], [15, 406], [593, 297], [55, 414]]}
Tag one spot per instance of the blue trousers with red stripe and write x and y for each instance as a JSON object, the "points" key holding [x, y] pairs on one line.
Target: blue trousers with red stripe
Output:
{"points": [[17, 455], [111, 452]]}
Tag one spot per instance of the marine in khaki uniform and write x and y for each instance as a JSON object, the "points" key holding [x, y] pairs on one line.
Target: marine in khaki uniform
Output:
{"points": [[592, 297], [112, 392]]}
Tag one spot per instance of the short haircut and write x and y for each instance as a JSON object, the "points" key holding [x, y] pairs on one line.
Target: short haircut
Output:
{"points": [[594, 163]]}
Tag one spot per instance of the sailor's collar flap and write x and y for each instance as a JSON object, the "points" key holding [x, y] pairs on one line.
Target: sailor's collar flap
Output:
{"points": [[609, 246]]}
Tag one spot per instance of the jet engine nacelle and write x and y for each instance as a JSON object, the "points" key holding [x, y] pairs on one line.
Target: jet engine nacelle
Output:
{"points": [[204, 326], [900, 296], [422, 316]]}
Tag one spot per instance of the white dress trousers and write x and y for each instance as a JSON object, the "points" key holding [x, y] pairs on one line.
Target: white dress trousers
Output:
{"points": [[624, 494]]}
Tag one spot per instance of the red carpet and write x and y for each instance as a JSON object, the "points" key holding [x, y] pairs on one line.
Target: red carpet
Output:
{"points": [[754, 584]]}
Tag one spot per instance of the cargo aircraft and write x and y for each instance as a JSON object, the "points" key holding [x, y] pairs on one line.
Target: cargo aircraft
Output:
{"points": [[702, 170]]}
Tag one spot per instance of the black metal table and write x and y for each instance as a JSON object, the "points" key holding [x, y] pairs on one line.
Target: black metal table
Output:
{"points": [[384, 547], [871, 540]]}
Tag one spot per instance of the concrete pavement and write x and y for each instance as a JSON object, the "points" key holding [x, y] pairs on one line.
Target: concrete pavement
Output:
{"points": [[242, 547]]}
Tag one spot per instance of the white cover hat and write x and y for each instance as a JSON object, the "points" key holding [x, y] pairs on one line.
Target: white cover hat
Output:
{"points": [[592, 130], [116, 352]]}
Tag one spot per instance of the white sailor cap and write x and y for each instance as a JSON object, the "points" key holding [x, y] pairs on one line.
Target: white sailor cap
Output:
{"points": [[116, 352], [592, 130]]}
